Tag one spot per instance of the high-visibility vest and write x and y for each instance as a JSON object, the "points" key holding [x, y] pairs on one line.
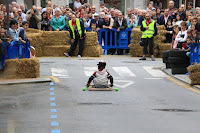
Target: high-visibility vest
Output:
{"points": [[148, 33], [78, 24]]}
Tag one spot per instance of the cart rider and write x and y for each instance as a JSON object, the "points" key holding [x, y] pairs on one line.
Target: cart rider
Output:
{"points": [[77, 33], [101, 77]]}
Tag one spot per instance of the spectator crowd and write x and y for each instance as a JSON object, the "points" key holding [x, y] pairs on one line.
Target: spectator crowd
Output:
{"points": [[182, 24]]}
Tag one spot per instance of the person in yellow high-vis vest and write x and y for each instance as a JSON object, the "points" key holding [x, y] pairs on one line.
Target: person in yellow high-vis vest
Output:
{"points": [[77, 34], [149, 30]]}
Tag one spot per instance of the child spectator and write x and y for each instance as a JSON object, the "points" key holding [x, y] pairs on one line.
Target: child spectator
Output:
{"points": [[187, 46], [94, 27], [13, 32], [182, 35], [178, 20], [176, 30], [22, 32], [189, 32], [169, 31], [195, 36]]}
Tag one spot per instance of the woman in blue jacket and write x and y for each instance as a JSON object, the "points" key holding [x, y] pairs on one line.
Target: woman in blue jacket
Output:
{"points": [[57, 21]]}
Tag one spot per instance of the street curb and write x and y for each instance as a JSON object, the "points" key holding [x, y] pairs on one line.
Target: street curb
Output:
{"points": [[164, 70], [25, 81]]}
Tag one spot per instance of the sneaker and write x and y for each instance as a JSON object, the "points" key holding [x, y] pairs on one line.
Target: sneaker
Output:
{"points": [[143, 58], [152, 58], [66, 54], [79, 56]]}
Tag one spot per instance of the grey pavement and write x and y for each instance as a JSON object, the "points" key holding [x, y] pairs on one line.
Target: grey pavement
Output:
{"points": [[147, 102]]}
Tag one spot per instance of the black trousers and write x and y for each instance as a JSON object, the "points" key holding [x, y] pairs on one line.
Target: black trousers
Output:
{"points": [[81, 46], [148, 42]]}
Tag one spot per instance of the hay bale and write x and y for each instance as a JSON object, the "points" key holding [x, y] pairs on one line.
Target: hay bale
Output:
{"points": [[22, 68], [55, 51], [163, 47], [136, 50], [39, 52], [195, 78], [90, 51], [161, 27], [31, 30], [53, 38], [91, 37], [37, 40], [194, 68]]}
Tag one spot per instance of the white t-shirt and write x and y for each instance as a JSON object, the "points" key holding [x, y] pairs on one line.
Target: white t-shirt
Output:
{"points": [[180, 38], [77, 4]]}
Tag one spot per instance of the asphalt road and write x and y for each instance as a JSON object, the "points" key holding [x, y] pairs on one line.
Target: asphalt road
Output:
{"points": [[147, 101]]}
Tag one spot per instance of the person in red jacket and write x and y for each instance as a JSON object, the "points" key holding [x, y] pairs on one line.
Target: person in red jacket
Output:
{"points": [[101, 77]]}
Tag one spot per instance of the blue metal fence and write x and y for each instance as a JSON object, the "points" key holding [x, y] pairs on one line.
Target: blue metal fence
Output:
{"points": [[195, 53], [15, 50], [114, 39]]}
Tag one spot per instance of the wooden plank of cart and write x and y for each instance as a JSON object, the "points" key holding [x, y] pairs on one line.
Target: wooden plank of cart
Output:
{"points": [[92, 88]]}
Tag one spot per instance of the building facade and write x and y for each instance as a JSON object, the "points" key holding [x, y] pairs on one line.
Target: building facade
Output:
{"points": [[120, 4]]}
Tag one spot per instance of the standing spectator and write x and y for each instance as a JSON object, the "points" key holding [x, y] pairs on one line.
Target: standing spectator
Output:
{"points": [[171, 4], [86, 21], [150, 7], [149, 30], [34, 18], [182, 35], [98, 21], [57, 21], [158, 4], [129, 15], [141, 18], [102, 6], [77, 5], [182, 12], [47, 5], [77, 34], [24, 9], [82, 2], [132, 23], [2, 20], [45, 23], [190, 7], [177, 21], [39, 8], [136, 14], [16, 15], [20, 22], [165, 17], [21, 14], [102, 15], [54, 7], [93, 11], [120, 23], [197, 10], [197, 26], [112, 13], [108, 23]]}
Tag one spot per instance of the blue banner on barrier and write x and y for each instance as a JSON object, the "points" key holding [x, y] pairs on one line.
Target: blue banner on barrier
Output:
{"points": [[194, 53]]}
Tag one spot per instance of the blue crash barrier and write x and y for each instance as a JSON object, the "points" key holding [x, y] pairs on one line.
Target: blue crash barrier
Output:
{"points": [[114, 39], [194, 53], [15, 50]]}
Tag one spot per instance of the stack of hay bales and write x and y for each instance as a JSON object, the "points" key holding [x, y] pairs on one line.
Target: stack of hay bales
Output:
{"points": [[49, 43], [92, 47], [194, 74], [22, 68], [136, 50]]}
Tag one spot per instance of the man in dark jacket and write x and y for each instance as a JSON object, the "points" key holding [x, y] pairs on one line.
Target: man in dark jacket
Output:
{"points": [[120, 23], [182, 12], [141, 18], [149, 30], [77, 34], [166, 17]]}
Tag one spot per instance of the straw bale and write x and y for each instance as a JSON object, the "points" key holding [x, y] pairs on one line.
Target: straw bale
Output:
{"points": [[31, 30], [37, 40], [55, 51], [195, 78], [91, 38], [136, 50], [51, 38], [22, 68], [39, 52], [161, 27], [194, 68], [90, 51]]}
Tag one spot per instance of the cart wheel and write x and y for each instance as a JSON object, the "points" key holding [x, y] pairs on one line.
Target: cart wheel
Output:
{"points": [[117, 89], [84, 89]]}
